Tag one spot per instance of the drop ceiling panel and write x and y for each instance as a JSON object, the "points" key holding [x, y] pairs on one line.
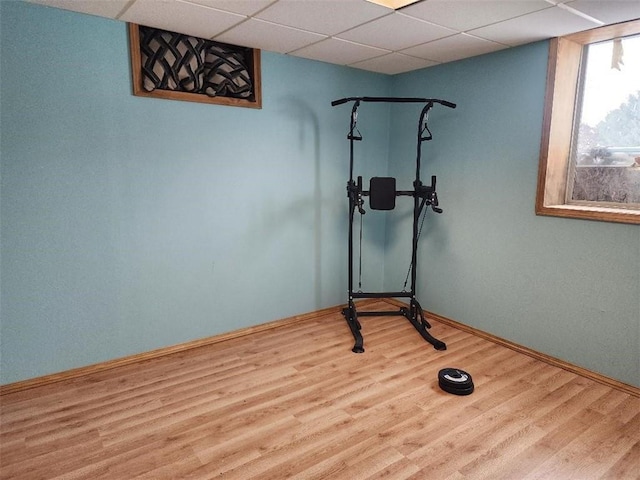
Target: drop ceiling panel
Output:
{"points": [[466, 15], [342, 31], [323, 16], [243, 7], [551, 22], [396, 32], [109, 9], [181, 17], [454, 48], [608, 11], [393, 63], [338, 51], [268, 36]]}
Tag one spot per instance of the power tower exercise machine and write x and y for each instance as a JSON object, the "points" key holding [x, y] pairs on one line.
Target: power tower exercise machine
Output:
{"points": [[382, 195]]}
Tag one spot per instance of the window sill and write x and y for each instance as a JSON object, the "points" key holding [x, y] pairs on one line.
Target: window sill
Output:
{"points": [[603, 214]]}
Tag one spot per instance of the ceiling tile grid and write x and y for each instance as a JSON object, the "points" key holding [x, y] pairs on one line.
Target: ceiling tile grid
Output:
{"points": [[464, 15], [328, 17], [183, 17], [269, 36], [539, 25], [341, 52], [366, 35], [453, 48], [393, 63], [243, 7], [396, 32], [608, 12]]}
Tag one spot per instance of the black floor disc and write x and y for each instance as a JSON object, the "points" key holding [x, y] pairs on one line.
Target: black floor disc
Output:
{"points": [[456, 381]]}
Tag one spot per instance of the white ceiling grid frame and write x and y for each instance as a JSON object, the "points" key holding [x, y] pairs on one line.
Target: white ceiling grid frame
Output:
{"points": [[393, 63], [351, 31], [269, 36], [465, 15], [407, 32], [539, 25], [453, 48], [242, 7], [327, 17], [182, 17], [341, 52], [605, 11]]}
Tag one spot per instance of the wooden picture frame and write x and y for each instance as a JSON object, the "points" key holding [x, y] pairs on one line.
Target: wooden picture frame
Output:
{"points": [[254, 100]]}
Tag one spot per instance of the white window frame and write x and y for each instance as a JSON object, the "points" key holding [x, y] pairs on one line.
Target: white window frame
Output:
{"points": [[563, 72]]}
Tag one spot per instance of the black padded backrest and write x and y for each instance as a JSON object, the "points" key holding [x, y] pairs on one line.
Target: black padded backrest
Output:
{"points": [[382, 193]]}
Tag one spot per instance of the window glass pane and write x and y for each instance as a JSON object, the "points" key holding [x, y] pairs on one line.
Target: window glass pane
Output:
{"points": [[607, 146]]}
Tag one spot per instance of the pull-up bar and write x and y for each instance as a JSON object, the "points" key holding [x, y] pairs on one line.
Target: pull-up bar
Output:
{"points": [[335, 103]]}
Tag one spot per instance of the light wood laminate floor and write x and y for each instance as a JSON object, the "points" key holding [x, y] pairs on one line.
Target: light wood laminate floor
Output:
{"points": [[295, 402]]}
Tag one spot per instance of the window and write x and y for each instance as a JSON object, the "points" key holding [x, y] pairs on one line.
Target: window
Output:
{"points": [[590, 152]]}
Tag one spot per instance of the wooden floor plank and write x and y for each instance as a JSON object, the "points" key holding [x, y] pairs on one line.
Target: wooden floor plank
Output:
{"points": [[295, 402], [627, 467]]}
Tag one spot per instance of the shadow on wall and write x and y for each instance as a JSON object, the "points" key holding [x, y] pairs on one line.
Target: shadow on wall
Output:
{"points": [[308, 133]]}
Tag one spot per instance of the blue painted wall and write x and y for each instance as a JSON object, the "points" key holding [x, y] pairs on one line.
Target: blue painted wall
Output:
{"points": [[569, 288], [130, 224]]}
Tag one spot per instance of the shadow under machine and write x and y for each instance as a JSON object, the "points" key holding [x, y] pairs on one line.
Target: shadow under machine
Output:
{"points": [[382, 195]]}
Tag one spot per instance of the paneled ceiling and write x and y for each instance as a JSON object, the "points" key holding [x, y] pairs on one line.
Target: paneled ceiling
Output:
{"points": [[365, 35]]}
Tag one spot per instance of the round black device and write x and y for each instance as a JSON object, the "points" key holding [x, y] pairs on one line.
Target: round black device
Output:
{"points": [[456, 381]]}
